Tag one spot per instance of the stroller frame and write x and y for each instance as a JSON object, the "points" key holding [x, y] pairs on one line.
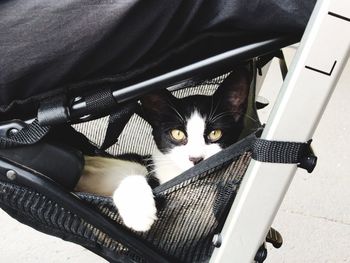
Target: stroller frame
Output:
{"points": [[265, 184]]}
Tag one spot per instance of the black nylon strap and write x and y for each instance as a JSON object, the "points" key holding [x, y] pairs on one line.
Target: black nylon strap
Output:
{"points": [[117, 122], [53, 111], [30, 134], [279, 152]]}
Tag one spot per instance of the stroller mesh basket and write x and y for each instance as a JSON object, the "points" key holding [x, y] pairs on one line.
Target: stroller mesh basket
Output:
{"points": [[192, 210]]}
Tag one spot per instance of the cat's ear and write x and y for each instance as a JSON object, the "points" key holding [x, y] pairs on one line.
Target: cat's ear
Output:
{"points": [[156, 104], [233, 92]]}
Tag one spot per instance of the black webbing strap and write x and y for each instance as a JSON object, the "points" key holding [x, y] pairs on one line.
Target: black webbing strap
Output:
{"points": [[30, 134], [117, 122], [53, 110], [285, 152], [280, 152]]}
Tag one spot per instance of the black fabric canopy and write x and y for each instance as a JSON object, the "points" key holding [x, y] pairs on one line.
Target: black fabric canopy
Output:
{"points": [[49, 46]]}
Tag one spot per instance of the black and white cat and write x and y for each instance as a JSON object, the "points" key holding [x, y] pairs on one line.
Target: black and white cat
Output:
{"points": [[186, 131]]}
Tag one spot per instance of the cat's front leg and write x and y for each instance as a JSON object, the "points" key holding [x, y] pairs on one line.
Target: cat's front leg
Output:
{"points": [[135, 203]]}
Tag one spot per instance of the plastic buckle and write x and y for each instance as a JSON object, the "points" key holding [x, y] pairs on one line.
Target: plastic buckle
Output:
{"points": [[274, 237], [309, 160]]}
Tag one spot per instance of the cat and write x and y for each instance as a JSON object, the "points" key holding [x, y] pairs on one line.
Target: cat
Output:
{"points": [[186, 131]]}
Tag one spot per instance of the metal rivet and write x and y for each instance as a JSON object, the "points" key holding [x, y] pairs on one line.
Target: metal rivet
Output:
{"points": [[11, 175], [12, 132], [217, 240]]}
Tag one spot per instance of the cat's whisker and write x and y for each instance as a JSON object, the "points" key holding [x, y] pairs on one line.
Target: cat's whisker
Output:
{"points": [[163, 161], [171, 123], [211, 113], [157, 168], [217, 117], [223, 114], [177, 112], [149, 165], [159, 158], [214, 111]]}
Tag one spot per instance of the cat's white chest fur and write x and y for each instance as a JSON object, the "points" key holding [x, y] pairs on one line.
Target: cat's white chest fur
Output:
{"points": [[165, 169]]}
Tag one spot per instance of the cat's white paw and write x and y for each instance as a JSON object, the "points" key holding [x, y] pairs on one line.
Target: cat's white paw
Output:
{"points": [[135, 203]]}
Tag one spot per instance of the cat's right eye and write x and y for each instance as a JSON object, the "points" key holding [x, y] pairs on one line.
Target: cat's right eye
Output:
{"points": [[215, 135], [177, 135]]}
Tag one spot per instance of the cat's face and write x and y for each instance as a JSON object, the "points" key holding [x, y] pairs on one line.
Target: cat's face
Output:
{"points": [[191, 129]]}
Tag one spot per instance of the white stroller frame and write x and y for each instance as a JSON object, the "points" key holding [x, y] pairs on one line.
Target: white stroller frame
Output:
{"points": [[265, 184]]}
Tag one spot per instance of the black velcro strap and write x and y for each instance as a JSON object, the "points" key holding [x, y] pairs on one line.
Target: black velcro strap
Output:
{"points": [[279, 152], [117, 122], [30, 134]]}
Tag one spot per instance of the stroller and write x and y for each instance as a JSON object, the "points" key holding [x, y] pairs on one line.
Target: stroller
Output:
{"points": [[65, 66]]}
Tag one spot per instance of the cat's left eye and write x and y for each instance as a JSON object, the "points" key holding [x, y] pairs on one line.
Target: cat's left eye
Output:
{"points": [[215, 135]]}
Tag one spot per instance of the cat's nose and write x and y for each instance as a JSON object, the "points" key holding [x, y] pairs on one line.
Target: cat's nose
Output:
{"points": [[196, 160]]}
